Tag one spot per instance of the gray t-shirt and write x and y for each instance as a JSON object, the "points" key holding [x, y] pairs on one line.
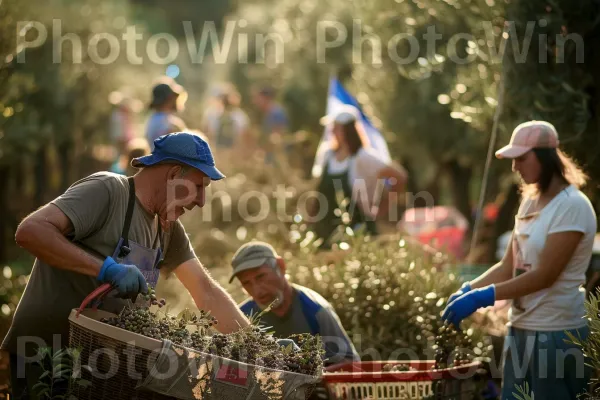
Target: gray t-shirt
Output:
{"points": [[96, 206], [309, 313]]}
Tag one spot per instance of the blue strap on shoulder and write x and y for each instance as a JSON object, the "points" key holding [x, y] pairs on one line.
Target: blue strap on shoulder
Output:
{"points": [[248, 307], [310, 308]]}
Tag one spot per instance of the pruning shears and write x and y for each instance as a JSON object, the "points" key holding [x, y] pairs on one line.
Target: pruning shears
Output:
{"points": [[95, 298]]}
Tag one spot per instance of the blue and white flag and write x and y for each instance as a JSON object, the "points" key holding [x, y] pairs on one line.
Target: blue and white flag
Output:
{"points": [[338, 96]]}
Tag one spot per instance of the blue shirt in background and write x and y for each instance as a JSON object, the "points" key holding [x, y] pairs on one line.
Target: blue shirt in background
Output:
{"points": [[309, 313], [161, 123]]}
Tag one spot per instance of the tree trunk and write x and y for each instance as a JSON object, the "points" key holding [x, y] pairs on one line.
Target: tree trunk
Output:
{"points": [[506, 214], [411, 185], [18, 174], [4, 222], [460, 178], [65, 156], [41, 176], [433, 188]]}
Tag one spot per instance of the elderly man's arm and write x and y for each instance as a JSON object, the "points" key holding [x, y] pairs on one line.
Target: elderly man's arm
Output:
{"points": [[43, 234], [338, 346], [49, 232], [210, 296]]}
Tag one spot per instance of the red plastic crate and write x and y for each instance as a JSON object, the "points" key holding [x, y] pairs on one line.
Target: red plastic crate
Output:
{"points": [[367, 380]]}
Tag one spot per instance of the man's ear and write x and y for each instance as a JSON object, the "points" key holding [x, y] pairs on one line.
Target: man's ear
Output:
{"points": [[174, 172], [281, 265]]}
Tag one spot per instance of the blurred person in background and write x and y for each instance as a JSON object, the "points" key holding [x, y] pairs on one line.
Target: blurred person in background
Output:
{"points": [[353, 173], [274, 125], [168, 98], [122, 118], [542, 272], [135, 148], [225, 123], [294, 309], [122, 123]]}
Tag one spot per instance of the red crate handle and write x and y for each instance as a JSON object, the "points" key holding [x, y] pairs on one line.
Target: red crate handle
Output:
{"points": [[99, 293], [336, 367]]}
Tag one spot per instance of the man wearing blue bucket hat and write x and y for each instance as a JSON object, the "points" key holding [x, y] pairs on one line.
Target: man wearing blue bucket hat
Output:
{"points": [[107, 228]]}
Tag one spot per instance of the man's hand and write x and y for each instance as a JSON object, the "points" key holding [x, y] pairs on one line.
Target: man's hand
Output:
{"points": [[128, 279]]}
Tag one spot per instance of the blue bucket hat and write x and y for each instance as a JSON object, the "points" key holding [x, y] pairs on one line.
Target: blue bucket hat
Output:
{"points": [[184, 147]]}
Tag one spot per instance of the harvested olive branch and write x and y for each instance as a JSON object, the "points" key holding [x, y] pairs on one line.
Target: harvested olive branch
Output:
{"points": [[251, 344]]}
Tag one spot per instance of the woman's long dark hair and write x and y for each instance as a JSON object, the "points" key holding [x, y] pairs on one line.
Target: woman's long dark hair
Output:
{"points": [[555, 163], [355, 137]]}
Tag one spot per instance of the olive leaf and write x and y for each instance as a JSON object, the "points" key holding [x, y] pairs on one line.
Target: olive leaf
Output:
{"points": [[523, 392]]}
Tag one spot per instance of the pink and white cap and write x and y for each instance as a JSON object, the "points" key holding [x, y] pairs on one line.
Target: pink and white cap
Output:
{"points": [[529, 135]]}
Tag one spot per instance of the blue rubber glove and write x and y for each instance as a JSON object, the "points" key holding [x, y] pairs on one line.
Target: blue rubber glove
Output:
{"points": [[464, 289], [468, 303], [128, 279]]}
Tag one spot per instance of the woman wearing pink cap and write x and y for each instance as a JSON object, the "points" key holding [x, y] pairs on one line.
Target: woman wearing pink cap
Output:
{"points": [[542, 271]]}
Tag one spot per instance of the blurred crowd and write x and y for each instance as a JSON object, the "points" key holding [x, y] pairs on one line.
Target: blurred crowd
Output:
{"points": [[225, 125], [355, 176]]}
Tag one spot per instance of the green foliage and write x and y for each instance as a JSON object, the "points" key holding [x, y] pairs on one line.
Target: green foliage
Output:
{"points": [[41, 84], [591, 345], [523, 392], [294, 65], [438, 106], [61, 373], [253, 201], [11, 289], [389, 295], [558, 92]]}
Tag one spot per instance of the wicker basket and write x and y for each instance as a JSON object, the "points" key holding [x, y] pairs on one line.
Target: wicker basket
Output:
{"points": [[111, 352], [115, 354], [367, 380]]}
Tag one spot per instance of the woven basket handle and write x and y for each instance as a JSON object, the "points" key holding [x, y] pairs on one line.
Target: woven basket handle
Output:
{"points": [[99, 293]]}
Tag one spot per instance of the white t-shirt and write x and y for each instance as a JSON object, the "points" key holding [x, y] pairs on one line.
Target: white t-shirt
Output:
{"points": [[561, 306], [502, 244], [363, 169]]}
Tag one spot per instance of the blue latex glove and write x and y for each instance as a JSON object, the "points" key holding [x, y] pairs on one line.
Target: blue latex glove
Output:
{"points": [[464, 289], [128, 279], [468, 303]]}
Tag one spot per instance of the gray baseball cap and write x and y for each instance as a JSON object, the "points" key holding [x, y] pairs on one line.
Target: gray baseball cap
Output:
{"points": [[251, 255]]}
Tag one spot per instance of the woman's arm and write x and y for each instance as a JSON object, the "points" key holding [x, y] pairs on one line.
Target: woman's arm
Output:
{"points": [[397, 175], [557, 252]]}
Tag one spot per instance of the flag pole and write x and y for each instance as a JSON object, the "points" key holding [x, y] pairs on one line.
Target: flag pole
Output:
{"points": [[317, 167], [492, 144]]}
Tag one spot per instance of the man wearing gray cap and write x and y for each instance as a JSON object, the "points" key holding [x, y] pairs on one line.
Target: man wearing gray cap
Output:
{"points": [[294, 309]]}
